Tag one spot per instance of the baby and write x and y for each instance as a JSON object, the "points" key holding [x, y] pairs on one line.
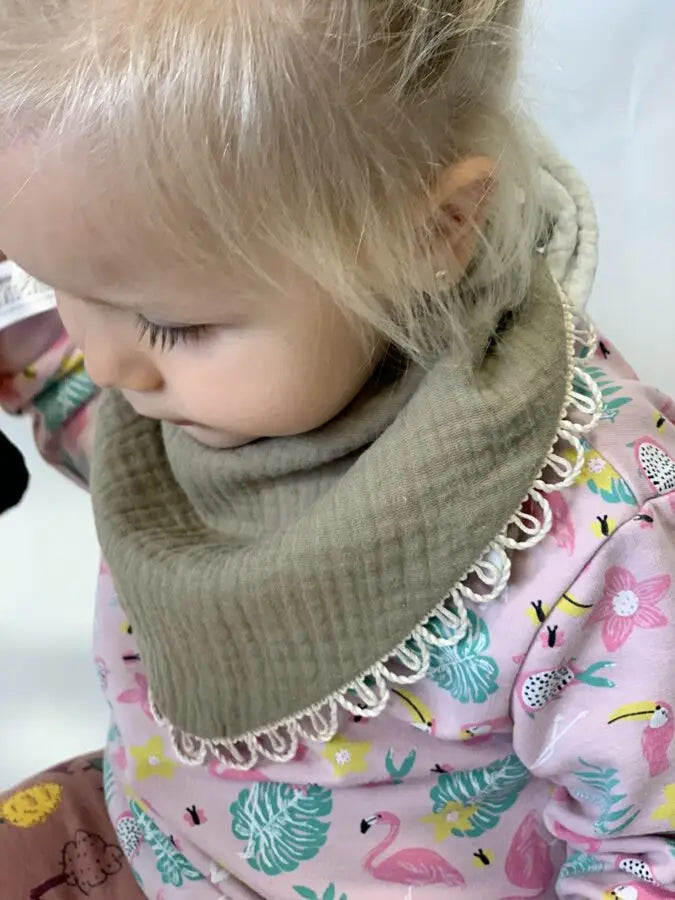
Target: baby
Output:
{"points": [[387, 533]]}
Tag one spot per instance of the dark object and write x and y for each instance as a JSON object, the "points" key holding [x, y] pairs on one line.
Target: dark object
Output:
{"points": [[13, 474]]}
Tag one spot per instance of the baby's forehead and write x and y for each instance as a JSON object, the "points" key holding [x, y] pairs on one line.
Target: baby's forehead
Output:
{"points": [[82, 228], [48, 206], [61, 214]]}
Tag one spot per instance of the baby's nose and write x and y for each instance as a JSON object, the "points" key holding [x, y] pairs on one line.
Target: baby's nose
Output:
{"points": [[114, 367]]}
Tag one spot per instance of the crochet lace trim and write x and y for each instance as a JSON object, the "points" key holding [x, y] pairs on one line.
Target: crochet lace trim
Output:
{"points": [[446, 624]]}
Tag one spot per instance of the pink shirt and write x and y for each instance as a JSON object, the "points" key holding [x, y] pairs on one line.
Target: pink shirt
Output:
{"points": [[533, 761]]}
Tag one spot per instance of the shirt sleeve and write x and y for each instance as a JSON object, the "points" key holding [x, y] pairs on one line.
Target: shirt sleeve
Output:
{"points": [[61, 398], [595, 715]]}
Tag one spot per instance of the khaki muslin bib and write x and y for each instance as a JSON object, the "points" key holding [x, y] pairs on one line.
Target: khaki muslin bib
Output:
{"points": [[261, 580]]}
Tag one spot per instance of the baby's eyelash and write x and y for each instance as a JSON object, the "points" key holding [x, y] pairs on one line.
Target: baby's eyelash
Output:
{"points": [[167, 336]]}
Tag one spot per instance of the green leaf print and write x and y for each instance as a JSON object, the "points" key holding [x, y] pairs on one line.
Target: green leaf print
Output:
{"points": [[608, 390], [600, 791], [465, 670], [581, 864], [478, 797], [618, 492], [171, 864], [398, 773], [310, 894], [108, 781], [281, 824], [60, 399]]}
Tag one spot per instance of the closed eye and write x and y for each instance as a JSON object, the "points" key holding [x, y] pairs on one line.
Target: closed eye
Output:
{"points": [[167, 336]]}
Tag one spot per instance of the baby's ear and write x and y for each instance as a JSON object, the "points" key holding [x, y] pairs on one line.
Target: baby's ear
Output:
{"points": [[460, 205]]}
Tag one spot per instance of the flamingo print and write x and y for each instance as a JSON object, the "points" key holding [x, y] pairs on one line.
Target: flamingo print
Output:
{"points": [[658, 734], [589, 844], [219, 770], [479, 732], [528, 863], [562, 526], [139, 695], [413, 866]]}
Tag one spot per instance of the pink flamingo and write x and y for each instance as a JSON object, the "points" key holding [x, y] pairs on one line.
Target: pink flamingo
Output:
{"points": [[658, 734], [591, 845], [227, 773], [528, 862], [414, 865], [562, 526], [139, 695], [479, 732], [218, 769], [119, 758]]}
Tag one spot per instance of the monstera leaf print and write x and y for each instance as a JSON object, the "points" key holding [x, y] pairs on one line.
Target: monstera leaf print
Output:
{"points": [[610, 392], [478, 797], [59, 400], [465, 670], [174, 868], [282, 825], [602, 789], [579, 863]]}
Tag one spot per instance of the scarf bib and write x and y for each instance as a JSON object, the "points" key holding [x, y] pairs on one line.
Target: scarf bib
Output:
{"points": [[271, 585]]}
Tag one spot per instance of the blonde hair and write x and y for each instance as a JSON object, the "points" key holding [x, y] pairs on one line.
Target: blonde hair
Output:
{"points": [[316, 127]]}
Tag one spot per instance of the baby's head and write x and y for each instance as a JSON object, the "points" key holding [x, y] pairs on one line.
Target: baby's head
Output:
{"points": [[242, 204]]}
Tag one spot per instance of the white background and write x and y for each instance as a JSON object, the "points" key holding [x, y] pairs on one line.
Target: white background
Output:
{"points": [[599, 75]]}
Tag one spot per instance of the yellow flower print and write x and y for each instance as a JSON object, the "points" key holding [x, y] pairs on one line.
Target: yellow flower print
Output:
{"points": [[150, 760], [667, 809], [601, 477], [453, 816], [596, 468], [346, 757]]}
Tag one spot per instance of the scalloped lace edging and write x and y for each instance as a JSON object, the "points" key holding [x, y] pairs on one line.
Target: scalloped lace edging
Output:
{"points": [[446, 625]]}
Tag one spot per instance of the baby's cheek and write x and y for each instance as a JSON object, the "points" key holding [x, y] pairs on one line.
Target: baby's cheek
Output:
{"points": [[268, 386]]}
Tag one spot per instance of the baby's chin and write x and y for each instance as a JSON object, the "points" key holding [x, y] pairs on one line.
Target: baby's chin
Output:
{"points": [[213, 437]]}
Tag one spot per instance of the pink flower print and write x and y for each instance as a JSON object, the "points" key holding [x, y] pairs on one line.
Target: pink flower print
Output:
{"points": [[627, 604], [139, 695]]}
